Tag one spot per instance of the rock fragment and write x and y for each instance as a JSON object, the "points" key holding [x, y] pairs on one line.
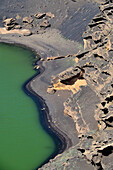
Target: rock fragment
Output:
{"points": [[51, 90], [28, 20], [40, 15], [45, 24], [10, 23], [50, 15]]}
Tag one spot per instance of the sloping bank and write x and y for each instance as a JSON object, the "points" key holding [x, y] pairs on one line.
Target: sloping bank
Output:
{"points": [[20, 128], [95, 66], [47, 122], [47, 44]]}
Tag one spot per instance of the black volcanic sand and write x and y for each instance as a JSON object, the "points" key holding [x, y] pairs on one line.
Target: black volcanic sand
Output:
{"points": [[71, 19]]}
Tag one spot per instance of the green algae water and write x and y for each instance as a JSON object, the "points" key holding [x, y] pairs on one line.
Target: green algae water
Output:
{"points": [[24, 145]]}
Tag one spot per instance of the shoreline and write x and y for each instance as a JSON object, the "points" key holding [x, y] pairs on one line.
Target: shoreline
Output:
{"points": [[54, 129], [91, 107], [49, 127], [68, 141], [66, 128], [46, 120]]}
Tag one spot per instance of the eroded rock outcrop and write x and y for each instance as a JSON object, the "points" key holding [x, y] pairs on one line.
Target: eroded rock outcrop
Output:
{"points": [[70, 79], [36, 23], [40, 15], [95, 66], [10, 23], [28, 20]]}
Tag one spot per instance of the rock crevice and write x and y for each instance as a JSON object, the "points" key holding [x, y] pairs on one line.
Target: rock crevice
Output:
{"points": [[95, 67]]}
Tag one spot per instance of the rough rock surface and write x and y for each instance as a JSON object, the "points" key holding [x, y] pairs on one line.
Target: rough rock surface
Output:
{"points": [[95, 65], [45, 24], [39, 15], [65, 15], [27, 20], [10, 23], [38, 22]]}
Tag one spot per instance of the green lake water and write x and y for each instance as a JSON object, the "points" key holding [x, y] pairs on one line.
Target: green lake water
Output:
{"points": [[24, 144]]}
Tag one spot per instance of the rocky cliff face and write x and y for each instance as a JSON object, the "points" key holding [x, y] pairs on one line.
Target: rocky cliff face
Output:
{"points": [[94, 69]]}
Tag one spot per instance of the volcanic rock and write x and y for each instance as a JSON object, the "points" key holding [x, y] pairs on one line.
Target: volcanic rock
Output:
{"points": [[27, 20], [50, 15], [51, 90], [17, 27], [10, 23], [40, 15], [45, 24], [96, 36], [96, 67], [67, 74]]}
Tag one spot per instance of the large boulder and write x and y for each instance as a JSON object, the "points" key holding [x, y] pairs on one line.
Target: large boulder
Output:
{"points": [[51, 90], [10, 23], [45, 24], [40, 15], [28, 20], [50, 15]]}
